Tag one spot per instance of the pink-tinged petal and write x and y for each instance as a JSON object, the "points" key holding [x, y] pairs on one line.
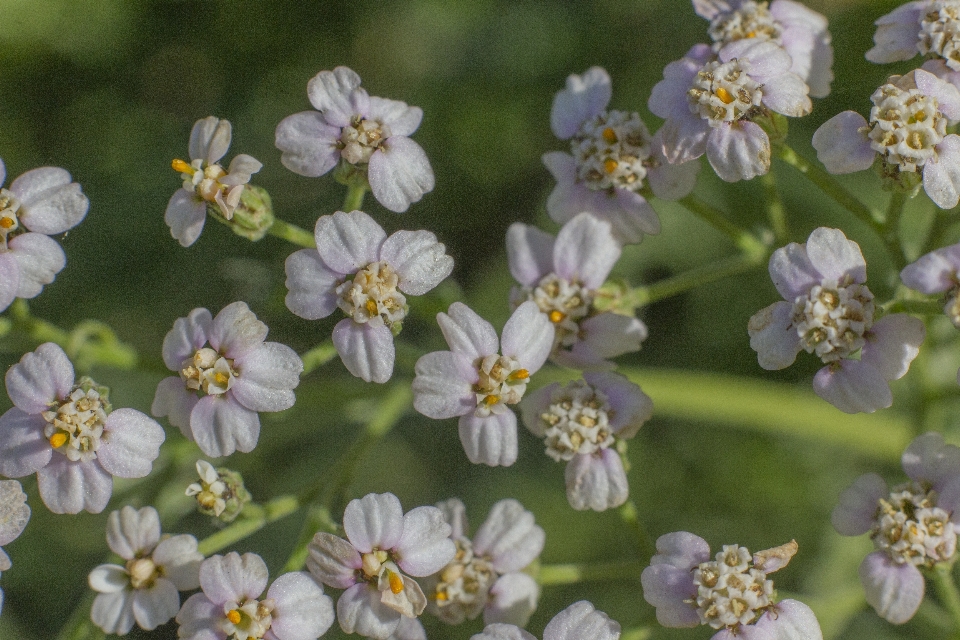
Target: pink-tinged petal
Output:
{"points": [[3, 172], [671, 181], [941, 175], [9, 280], [332, 93], [739, 151], [534, 405], [180, 560], [628, 213], [596, 481], [348, 242], [666, 587], [174, 401], [409, 629], [133, 532], [580, 620], [949, 498], [14, 512], [185, 215], [455, 514], [39, 259], [419, 260], [302, 611], [72, 487], [333, 560], [23, 447], [671, 92], [376, 520], [210, 139], [853, 387], [491, 440], [528, 336], [894, 590], [948, 98], [929, 459], [608, 335], [220, 425], [790, 620], [513, 599], [569, 197], [108, 578], [806, 38], [509, 536], [443, 387], [939, 68], [892, 344], [200, 619], [366, 349], [630, 405], [500, 631], [41, 377], [792, 272], [188, 335], [835, 257], [529, 253], [684, 137], [585, 251], [113, 612], [312, 285], [360, 611], [131, 444], [766, 59], [857, 505], [709, 9], [266, 377], [235, 331], [467, 333], [232, 577], [787, 94], [241, 168], [745, 632], [682, 550], [584, 97], [795, 14], [897, 35], [425, 546], [155, 605], [308, 143], [399, 173], [773, 336], [934, 272], [50, 203], [401, 118]]}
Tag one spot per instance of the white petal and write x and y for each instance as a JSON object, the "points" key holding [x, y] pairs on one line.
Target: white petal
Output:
{"points": [[108, 578], [509, 536], [348, 242], [50, 203], [399, 173], [425, 546], [235, 331], [220, 425], [72, 487], [210, 139], [596, 481], [40, 259], [185, 216], [180, 560], [773, 336], [302, 610], [155, 605], [892, 344], [500, 631], [941, 176], [834, 256], [894, 590], [491, 440], [584, 97], [528, 336], [467, 333], [529, 253], [9, 280], [113, 612], [853, 386], [175, 402], [331, 93], [401, 118], [308, 143], [266, 377], [188, 335], [580, 620], [841, 146], [376, 520], [790, 620], [513, 599], [739, 151], [312, 285], [857, 505], [929, 459], [132, 443], [586, 251], [41, 377], [359, 610], [14, 512], [419, 260], [133, 533], [232, 577], [366, 349], [443, 387], [333, 560]]}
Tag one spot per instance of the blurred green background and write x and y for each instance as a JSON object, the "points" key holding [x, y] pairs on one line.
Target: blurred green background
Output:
{"points": [[110, 89]]}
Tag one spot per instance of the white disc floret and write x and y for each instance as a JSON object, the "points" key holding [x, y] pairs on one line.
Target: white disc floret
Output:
{"points": [[723, 92], [832, 318], [361, 138], [211, 491], [502, 382], [906, 126], [373, 293], [465, 583], [940, 32], [750, 20], [730, 590], [577, 422], [566, 303], [75, 426], [612, 150], [248, 619], [204, 180], [9, 221], [911, 528], [208, 371]]}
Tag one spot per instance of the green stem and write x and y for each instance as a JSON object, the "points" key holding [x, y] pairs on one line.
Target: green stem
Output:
{"points": [[919, 307], [744, 240], [694, 278], [948, 594], [637, 633], [318, 356], [559, 574], [775, 209], [354, 198], [246, 526], [292, 233], [318, 519], [891, 237], [645, 546]]}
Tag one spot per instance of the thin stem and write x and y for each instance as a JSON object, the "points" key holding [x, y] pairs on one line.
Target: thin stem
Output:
{"points": [[694, 278], [892, 223], [292, 233], [318, 356], [775, 209], [742, 238], [354, 198], [948, 594], [246, 526], [637, 633], [559, 574], [318, 519], [919, 307], [645, 546]]}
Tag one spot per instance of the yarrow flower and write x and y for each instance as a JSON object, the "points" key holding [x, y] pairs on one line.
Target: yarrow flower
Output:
{"points": [[14, 514], [710, 103], [731, 593], [230, 608], [227, 375], [476, 383], [611, 156], [383, 548], [219, 493], [38, 204], [907, 133], [486, 575], [577, 622], [353, 244], [828, 310], [580, 424], [801, 32], [205, 181], [145, 589], [938, 272], [562, 275], [913, 526], [927, 27], [65, 431], [366, 134]]}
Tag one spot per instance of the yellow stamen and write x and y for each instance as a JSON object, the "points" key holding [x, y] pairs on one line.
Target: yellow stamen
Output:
{"points": [[182, 167], [58, 439], [610, 165], [610, 135], [750, 34], [221, 378], [725, 96], [491, 399], [371, 307], [557, 316], [441, 596], [233, 616], [519, 374], [396, 582], [6, 223]]}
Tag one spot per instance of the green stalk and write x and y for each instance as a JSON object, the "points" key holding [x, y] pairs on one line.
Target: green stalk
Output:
{"points": [[948, 594], [775, 209], [247, 525], [918, 307], [354, 198], [645, 546], [891, 237], [696, 277], [318, 356], [292, 233], [743, 239], [560, 574]]}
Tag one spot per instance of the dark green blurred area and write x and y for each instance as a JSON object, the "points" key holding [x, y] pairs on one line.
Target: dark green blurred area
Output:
{"points": [[109, 90]]}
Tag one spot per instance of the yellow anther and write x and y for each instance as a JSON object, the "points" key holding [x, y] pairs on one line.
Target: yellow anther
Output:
{"points": [[221, 378], [750, 34], [441, 596], [396, 582], [519, 374], [58, 439], [610, 135], [371, 307], [6, 223], [491, 399], [610, 165], [557, 317], [233, 616], [725, 96], [182, 167]]}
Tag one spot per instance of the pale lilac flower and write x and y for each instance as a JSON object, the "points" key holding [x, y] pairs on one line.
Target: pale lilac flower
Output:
{"points": [[40, 203], [146, 588], [476, 383], [801, 32], [357, 268], [927, 27], [383, 548], [65, 431], [580, 424], [562, 275], [611, 155], [366, 133], [913, 527], [907, 131], [221, 388], [486, 576], [828, 310], [577, 622], [205, 181], [710, 102], [295, 607], [732, 593], [938, 272], [14, 514]]}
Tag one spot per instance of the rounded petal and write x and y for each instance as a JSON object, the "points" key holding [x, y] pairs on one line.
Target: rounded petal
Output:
{"points": [[200, 619], [419, 260], [425, 546], [348, 242], [40, 259], [399, 173], [941, 175], [671, 181], [266, 377], [528, 336], [133, 532], [787, 94], [834, 257], [173, 400], [455, 514], [841, 146], [409, 629], [333, 560], [14, 512], [443, 387], [113, 612], [332, 93], [401, 118], [376, 520], [180, 560], [766, 59], [897, 34], [773, 336], [232, 577], [666, 587], [894, 590], [670, 94], [681, 549], [534, 405], [185, 216], [513, 599], [500, 631], [585, 251], [302, 611], [312, 285], [892, 344], [584, 97], [9, 280], [23, 447], [683, 136], [188, 335], [366, 349], [596, 481], [790, 620], [156, 604], [41, 377], [627, 211], [72, 487], [607, 335], [929, 459], [359, 610], [209, 139], [308, 143], [108, 578], [133, 444], [50, 202], [857, 505], [220, 425], [491, 440], [948, 98], [949, 498], [580, 620], [739, 151], [509, 536], [235, 331], [631, 407], [792, 272], [529, 253], [467, 333], [853, 386], [934, 272]]}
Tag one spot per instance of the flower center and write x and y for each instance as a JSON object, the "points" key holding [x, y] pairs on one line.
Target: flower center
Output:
{"points": [[9, 222], [360, 139], [910, 527], [730, 591], [751, 20], [211, 491], [723, 92], [204, 181], [906, 126], [611, 150], [75, 427], [208, 371], [464, 584], [143, 572], [578, 422], [832, 319], [377, 568], [502, 382], [565, 303], [940, 32], [251, 619], [952, 307], [373, 294]]}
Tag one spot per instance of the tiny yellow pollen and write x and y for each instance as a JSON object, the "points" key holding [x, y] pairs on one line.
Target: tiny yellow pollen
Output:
{"points": [[750, 34], [6, 223], [491, 399], [371, 307], [58, 439], [520, 374], [610, 135], [233, 616], [441, 596], [221, 378], [182, 167], [396, 582], [557, 316], [724, 95], [610, 165]]}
